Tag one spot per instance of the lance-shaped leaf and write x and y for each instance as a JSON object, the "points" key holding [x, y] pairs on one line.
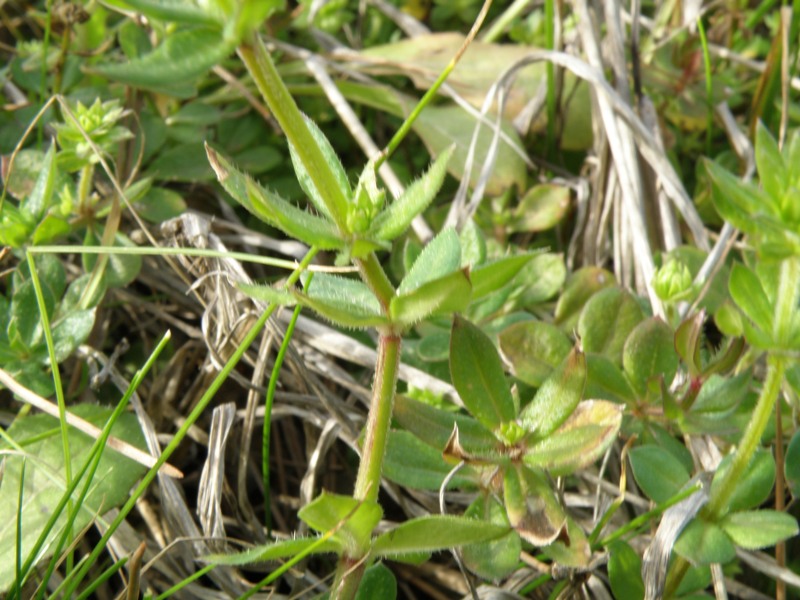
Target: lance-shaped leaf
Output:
{"points": [[41, 195], [770, 163], [346, 302], [268, 294], [178, 11], [580, 441], [688, 341], [355, 519], [748, 293], [435, 532], [332, 160], [558, 396], [180, 59], [273, 209], [396, 218], [491, 276], [276, 551], [447, 294], [478, 375], [413, 463], [434, 426], [736, 201], [440, 257]]}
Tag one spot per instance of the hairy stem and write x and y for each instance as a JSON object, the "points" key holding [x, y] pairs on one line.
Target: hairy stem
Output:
{"points": [[351, 567], [786, 304]]}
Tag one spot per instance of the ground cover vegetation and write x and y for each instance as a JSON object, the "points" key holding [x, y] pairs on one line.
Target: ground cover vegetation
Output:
{"points": [[415, 299]]}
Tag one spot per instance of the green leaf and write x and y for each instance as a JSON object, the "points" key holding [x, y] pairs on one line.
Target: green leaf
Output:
{"points": [[396, 218], [532, 507], [378, 582], [160, 204], [557, 397], [434, 426], [657, 472], [605, 380], [721, 395], [625, 571], [346, 302], [121, 269], [606, 321], [541, 208], [688, 342], [183, 57], [71, 331], [447, 294], [754, 486], [534, 349], [581, 440], [580, 286], [44, 485], [473, 245], [332, 160], [649, 352], [413, 463], [179, 11], [267, 293], [771, 166], [355, 518], [498, 558], [435, 532], [494, 274], [440, 257], [274, 551], [735, 200], [791, 464], [749, 295], [25, 323], [756, 529], [41, 196], [478, 375], [703, 543], [50, 229], [540, 280], [273, 209]]}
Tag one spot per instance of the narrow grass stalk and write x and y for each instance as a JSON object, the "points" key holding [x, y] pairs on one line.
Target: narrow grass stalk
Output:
{"points": [[198, 410], [102, 578], [709, 88], [179, 586], [90, 465]]}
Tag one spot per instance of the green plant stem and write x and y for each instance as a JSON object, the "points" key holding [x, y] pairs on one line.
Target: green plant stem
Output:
{"points": [[709, 87], [375, 277], [351, 568], [786, 304], [283, 107]]}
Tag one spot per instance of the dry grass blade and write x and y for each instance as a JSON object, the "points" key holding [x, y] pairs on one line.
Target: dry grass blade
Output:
{"points": [[84, 426], [209, 500]]}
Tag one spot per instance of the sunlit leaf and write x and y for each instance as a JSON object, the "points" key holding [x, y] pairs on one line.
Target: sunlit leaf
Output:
{"points": [[435, 532], [756, 529]]}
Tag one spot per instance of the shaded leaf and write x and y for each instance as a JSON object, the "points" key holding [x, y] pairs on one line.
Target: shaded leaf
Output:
{"points": [[541, 208], [749, 295], [534, 349], [704, 543], [657, 472], [606, 321], [580, 286], [494, 274], [497, 558], [414, 464], [274, 551], [649, 352], [625, 571], [181, 58], [754, 486], [435, 532], [378, 582], [478, 375]]}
